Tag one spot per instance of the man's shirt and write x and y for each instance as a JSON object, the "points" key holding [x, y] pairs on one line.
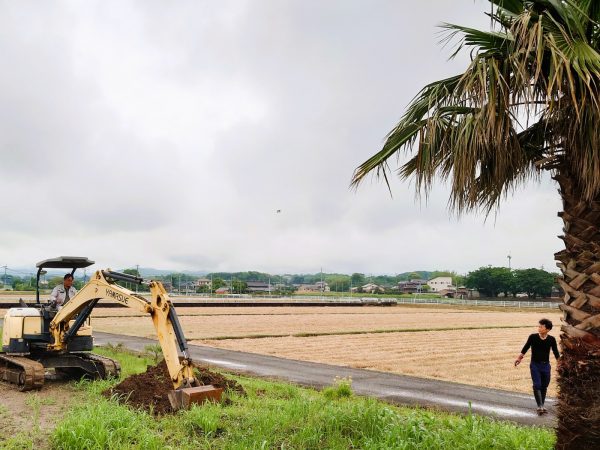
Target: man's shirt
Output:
{"points": [[540, 348], [61, 296]]}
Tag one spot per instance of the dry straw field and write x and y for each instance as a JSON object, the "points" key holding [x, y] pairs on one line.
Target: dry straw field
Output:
{"points": [[472, 346]]}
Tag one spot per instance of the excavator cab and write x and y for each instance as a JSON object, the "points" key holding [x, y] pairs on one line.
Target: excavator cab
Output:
{"points": [[28, 328], [62, 262]]}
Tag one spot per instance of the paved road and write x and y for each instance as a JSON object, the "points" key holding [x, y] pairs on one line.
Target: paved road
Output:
{"points": [[394, 388]]}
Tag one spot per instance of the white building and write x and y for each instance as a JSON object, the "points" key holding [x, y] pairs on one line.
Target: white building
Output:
{"points": [[440, 283], [203, 282], [370, 288]]}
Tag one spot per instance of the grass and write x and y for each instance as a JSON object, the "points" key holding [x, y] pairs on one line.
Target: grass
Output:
{"points": [[342, 388], [280, 415], [20, 441]]}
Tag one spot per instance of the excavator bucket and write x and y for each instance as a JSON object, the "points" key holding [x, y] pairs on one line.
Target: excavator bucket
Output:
{"points": [[185, 397]]}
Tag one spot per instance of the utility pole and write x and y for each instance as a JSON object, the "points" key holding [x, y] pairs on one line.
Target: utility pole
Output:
{"points": [[137, 274], [4, 279], [322, 286]]}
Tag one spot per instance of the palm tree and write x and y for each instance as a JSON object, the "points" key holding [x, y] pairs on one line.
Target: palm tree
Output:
{"points": [[529, 101]]}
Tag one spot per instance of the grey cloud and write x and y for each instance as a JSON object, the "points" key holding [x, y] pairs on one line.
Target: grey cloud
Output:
{"points": [[195, 259], [184, 126]]}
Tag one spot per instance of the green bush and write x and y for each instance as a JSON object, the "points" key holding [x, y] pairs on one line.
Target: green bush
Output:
{"points": [[342, 388]]}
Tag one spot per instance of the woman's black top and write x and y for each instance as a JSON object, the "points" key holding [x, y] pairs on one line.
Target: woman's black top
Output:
{"points": [[540, 348]]}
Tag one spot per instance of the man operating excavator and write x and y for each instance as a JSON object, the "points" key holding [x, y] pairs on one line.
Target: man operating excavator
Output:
{"points": [[62, 293], [39, 338]]}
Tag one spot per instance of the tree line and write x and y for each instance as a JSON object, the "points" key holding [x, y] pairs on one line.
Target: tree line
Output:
{"points": [[489, 281], [493, 281]]}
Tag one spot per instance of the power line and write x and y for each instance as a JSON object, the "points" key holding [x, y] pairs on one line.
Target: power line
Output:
{"points": [[15, 271]]}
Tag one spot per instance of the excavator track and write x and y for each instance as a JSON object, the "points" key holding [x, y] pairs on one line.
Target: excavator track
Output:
{"points": [[24, 372], [108, 367]]}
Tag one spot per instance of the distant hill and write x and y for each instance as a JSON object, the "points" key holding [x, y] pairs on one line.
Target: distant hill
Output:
{"points": [[423, 274], [149, 272], [145, 272]]}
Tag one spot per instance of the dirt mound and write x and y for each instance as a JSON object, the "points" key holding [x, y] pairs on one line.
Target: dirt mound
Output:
{"points": [[149, 390]]}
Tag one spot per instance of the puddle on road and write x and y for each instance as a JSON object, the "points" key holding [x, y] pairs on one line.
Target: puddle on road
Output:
{"points": [[220, 362], [475, 406]]}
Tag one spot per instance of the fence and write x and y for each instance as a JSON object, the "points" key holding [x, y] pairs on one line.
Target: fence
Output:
{"points": [[416, 300], [6, 301], [475, 302]]}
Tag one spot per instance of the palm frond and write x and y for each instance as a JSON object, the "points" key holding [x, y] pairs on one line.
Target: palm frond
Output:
{"points": [[543, 66], [491, 42], [432, 96], [510, 6]]}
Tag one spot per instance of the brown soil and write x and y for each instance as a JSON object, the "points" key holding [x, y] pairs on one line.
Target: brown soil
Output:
{"points": [[33, 415], [149, 390]]}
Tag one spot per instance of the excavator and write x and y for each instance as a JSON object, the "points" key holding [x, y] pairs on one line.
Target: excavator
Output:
{"points": [[45, 336]]}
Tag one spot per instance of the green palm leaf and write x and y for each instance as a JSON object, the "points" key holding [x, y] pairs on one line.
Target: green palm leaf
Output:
{"points": [[541, 67]]}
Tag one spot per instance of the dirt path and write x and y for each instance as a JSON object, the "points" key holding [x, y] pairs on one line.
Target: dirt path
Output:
{"points": [[29, 417]]}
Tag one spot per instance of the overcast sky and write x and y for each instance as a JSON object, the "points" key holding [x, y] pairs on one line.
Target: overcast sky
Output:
{"points": [[169, 133]]}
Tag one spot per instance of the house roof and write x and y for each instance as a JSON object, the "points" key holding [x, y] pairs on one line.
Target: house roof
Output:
{"points": [[257, 284]]}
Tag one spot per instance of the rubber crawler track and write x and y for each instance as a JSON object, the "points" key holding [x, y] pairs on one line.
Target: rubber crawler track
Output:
{"points": [[24, 372], [110, 367], [28, 374]]}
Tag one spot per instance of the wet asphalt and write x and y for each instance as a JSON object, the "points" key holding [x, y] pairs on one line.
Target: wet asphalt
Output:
{"points": [[397, 389]]}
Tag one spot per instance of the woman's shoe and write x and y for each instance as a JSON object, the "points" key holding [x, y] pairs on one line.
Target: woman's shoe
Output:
{"points": [[540, 411]]}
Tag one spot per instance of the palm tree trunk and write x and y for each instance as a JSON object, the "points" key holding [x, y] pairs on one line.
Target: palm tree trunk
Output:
{"points": [[579, 367]]}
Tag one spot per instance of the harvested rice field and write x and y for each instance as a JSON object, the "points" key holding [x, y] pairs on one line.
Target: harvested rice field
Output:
{"points": [[283, 321]]}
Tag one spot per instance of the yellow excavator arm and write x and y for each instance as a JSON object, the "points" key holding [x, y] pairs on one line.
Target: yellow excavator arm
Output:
{"points": [[103, 285]]}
